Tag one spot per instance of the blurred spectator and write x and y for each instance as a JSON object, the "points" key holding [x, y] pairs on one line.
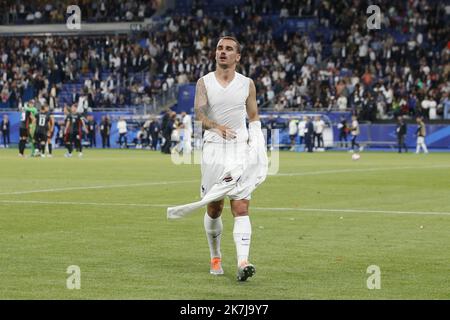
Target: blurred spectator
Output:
{"points": [[5, 128], [293, 130], [301, 130], [309, 135], [105, 132], [401, 134], [343, 132], [319, 126], [122, 128]]}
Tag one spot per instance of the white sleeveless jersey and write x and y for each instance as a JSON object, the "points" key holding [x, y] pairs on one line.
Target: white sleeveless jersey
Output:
{"points": [[227, 106]]}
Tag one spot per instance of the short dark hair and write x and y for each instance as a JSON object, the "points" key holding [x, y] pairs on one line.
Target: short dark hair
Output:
{"points": [[238, 45]]}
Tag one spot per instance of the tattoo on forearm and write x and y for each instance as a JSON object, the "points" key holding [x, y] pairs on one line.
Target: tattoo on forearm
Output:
{"points": [[201, 116], [201, 106]]}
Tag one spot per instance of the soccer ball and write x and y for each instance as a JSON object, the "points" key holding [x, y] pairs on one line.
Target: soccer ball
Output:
{"points": [[355, 156]]}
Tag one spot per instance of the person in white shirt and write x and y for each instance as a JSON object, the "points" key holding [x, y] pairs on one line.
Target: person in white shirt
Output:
{"points": [[122, 128], [186, 121], [223, 100], [429, 107], [301, 130], [83, 104], [319, 126], [293, 130], [342, 102], [354, 131]]}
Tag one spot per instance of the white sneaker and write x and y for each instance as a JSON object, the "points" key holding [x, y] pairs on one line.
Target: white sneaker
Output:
{"points": [[49, 156], [42, 155], [68, 155], [80, 155], [361, 148]]}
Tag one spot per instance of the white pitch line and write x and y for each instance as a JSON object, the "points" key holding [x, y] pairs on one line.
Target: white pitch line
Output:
{"points": [[98, 187], [148, 205], [357, 170], [76, 203], [191, 181], [354, 211]]}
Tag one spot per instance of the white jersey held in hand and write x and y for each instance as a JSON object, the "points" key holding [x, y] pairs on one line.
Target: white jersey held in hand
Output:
{"points": [[245, 179]]}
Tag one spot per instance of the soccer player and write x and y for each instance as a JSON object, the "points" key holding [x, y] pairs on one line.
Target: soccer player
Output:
{"points": [[421, 133], [223, 99], [74, 127], [50, 132], [354, 131], [43, 120], [27, 119]]}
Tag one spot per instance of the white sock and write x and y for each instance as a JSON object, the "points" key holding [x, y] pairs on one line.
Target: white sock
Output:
{"points": [[242, 235], [213, 228]]}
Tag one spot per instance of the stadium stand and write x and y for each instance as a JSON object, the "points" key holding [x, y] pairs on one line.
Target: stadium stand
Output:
{"points": [[313, 55], [39, 11]]}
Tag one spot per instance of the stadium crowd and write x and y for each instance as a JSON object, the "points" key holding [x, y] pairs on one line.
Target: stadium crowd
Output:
{"points": [[47, 11], [402, 69]]}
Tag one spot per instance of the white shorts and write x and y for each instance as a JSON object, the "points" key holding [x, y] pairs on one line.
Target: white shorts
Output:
{"points": [[219, 158], [420, 140]]}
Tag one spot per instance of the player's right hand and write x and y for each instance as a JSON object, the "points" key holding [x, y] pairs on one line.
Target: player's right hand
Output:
{"points": [[225, 132]]}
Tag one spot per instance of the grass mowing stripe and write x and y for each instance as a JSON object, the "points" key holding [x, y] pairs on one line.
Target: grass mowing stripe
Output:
{"points": [[98, 187], [146, 205]]}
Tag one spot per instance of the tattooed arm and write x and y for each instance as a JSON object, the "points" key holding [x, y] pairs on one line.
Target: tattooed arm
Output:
{"points": [[201, 107]]}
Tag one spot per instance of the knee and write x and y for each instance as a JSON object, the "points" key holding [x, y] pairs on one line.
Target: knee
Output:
{"points": [[215, 209], [239, 209]]}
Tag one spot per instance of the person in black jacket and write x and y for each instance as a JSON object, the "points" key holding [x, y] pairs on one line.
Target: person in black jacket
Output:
{"points": [[154, 130], [167, 133], [309, 135], [401, 134], [5, 131], [92, 131], [343, 132], [105, 131]]}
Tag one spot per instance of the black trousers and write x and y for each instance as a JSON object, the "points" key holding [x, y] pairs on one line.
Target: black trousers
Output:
{"points": [[105, 141], [342, 138], [401, 143], [167, 144], [154, 141], [6, 139], [92, 140], [319, 137], [123, 136], [354, 143], [309, 143]]}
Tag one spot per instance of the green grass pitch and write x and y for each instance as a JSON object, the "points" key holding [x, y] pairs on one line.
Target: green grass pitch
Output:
{"points": [[317, 227]]}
